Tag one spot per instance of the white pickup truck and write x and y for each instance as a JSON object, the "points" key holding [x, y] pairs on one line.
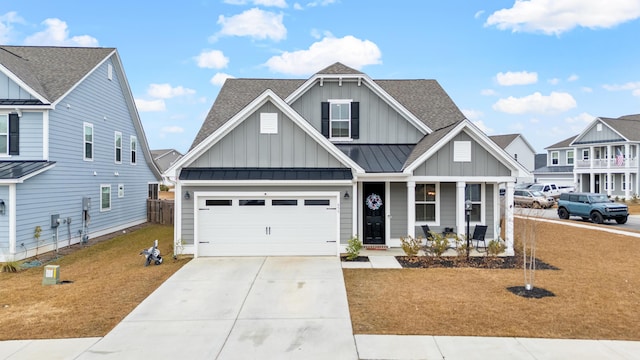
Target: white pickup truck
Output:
{"points": [[548, 189]]}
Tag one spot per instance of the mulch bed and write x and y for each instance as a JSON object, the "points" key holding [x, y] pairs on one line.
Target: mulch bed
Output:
{"points": [[357, 259], [482, 262], [534, 293]]}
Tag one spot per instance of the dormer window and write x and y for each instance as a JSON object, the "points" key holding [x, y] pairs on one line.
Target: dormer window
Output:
{"points": [[341, 119]]}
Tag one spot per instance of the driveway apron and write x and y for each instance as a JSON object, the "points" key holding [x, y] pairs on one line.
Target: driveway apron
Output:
{"points": [[239, 308]]}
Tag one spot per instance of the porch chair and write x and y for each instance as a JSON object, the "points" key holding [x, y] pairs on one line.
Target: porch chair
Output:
{"points": [[427, 232], [479, 233]]}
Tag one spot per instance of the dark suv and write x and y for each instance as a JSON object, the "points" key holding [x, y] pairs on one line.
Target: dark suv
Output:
{"points": [[591, 206]]}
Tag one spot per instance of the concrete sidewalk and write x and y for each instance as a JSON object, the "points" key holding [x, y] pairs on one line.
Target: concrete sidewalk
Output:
{"points": [[281, 308]]}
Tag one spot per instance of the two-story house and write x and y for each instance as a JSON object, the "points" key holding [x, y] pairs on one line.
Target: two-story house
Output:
{"points": [[607, 156], [74, 160], [300, 166], [519, 148], [558, 168]]}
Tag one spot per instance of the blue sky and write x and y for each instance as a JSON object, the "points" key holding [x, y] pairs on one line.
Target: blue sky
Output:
{"points": [[542, 68]]}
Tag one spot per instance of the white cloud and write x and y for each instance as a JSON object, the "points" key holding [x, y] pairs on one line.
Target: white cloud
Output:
{"points": [[166, 91], [349, 50], [478, 14], [573, 77], [320, 3], [57, 34], [636, 92], [536, 103], [472, 114], [553, 81], [6, 27], [255, 23], [150, 105], [172, 130], [235, 2], [482, 126], [583, 119], [297, 6], [212, 59], [586, 89], [556, 17], [274, 3], [516, 78], [219, 79], [488, 92], [627, 86]]}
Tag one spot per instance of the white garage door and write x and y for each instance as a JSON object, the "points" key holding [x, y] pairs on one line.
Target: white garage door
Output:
{"points": [[259, 225]]}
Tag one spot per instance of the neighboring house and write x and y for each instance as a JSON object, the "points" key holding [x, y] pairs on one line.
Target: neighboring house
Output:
{"points": [[74, 161], [558, 166], [164, 158], [298, 167], [520, 149], [607, 156]]}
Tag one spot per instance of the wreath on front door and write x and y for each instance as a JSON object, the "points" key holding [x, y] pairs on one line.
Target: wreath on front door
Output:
{"points": [[374, 201]]}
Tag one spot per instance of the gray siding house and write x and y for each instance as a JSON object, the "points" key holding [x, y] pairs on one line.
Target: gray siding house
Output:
{"points": [[559, 163], [298, 167], [520, 149], [74, 161]]}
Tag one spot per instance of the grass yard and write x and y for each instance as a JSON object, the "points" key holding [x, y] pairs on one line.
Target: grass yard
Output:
{"points": [[109, 281], [597, 293]]}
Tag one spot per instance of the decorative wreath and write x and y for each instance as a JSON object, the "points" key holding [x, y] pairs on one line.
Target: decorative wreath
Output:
{"points": [[374, 201]]}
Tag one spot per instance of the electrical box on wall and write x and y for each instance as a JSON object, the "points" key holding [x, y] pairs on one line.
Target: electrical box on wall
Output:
{"points": [[86, 203], [55, 220]]}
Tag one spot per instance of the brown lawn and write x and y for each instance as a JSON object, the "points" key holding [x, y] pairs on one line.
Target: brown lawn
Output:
{"points": [[109, 281], [597, 293]]}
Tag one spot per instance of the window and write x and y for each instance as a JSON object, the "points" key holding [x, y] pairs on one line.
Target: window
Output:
{"points": [[473, 192], [218, 202], [134, 149], [426, 202], [120, 190], [340, 119], [585, 154], [569, 157], [609, 184], [317, 202], [88, 141], [118, 147], [153, 191], [251, 202], [4, 134], [554, 157], [283, 202], [105, 197]]}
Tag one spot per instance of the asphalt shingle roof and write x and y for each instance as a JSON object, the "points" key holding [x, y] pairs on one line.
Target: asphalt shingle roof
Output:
{"points": [[562, 144], [628, 126], [504, 140], [51, 71]]}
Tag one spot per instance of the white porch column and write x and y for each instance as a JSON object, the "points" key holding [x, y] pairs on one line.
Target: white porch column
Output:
{"points": [[591, 156], [627, 157], [608, 183], [11, 210], [177, 215], [460, 218], [609, 156], [411, 209], [592, 179], [575, 181], [354, 209], [508, 218]]}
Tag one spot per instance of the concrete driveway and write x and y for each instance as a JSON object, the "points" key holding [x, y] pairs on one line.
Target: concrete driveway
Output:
{"points": [[239, 308]]}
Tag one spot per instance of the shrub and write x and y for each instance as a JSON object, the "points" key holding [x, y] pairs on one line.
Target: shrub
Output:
{"points": [[411, 246], [10, 266], [495, 247], [437, 246], [354, 245], [164, 187], [461, 245]]}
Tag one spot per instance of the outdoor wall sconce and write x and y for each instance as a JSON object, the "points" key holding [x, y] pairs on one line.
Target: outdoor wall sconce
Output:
{"points": [[187, 196], [2, 207], [346, 195]]}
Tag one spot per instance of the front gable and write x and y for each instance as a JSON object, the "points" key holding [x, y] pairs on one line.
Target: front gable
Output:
{"points": [[598, 132], [11, 90]]}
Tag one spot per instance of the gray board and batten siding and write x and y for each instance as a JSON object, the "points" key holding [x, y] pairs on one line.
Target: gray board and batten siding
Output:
{"points": [[482, 162], [398, 209], [593, 136], [346, 205], [60, 189], [379, 122], [245, 146], [10, 90]]}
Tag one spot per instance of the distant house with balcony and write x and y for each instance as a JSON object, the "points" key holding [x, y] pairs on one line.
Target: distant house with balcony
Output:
{"points": [[558, 165], [607, 156]]}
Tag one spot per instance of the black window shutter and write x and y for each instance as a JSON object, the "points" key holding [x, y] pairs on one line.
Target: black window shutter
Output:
{"points": [[14, 134], [325, 119], [355, 120]]}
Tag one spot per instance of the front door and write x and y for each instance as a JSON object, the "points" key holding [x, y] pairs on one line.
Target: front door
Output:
{"points": [[374, 213]]}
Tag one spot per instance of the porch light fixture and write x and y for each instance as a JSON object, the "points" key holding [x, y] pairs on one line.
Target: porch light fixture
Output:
{"points": [[187, 196], [346, 195], [2, 207]]}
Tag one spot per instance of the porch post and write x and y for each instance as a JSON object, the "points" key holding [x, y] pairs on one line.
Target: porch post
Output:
{"points": [[460, 214], [411, 209], [508, 218], [11, 210], [592, 179], [354, 210]]}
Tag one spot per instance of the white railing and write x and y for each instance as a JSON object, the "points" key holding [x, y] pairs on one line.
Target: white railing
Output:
{"points": [[605, 163]]}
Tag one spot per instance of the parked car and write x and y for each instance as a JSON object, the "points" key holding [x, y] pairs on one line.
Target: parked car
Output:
{"points": [[566, 188], [591, 206], [548, 189], [531, 198]]}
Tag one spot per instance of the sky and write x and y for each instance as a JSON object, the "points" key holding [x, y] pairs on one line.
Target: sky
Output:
{"points": [[541, 68]]}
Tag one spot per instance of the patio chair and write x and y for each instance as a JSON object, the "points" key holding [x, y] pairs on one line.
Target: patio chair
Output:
{"points": [[427, 232], [479, 233]]}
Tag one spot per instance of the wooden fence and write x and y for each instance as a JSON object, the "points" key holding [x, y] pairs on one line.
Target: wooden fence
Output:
{"points": [[160, 211]]}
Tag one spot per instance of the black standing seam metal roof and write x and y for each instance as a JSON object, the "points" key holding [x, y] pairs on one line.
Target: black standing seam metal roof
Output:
{"points": [[11, 170], [231, 174], [378, 158], [20, 102]]}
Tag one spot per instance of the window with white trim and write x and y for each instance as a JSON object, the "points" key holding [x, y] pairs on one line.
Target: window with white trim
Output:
{"points": [[555, 156], [134, 149], [340, 119], [4, 134], [88, 141], [105, 197], [569, 157], [585, 154], [426, 198], [473, 192], [118, 147], [609, 183]]}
